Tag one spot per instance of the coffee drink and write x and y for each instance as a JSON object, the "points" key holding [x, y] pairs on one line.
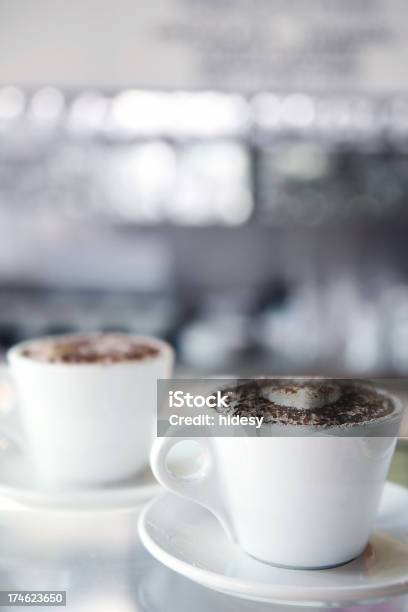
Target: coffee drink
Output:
{"points": [[93, 348], [304, 500], [87, 405], [314, 402]]}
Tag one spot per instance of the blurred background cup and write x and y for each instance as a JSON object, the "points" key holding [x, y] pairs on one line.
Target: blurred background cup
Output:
{"points": [[88, 423]]}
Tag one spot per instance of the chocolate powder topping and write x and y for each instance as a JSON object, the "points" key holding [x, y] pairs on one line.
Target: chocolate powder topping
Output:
{"points": [[98, 348], [357, 404]]}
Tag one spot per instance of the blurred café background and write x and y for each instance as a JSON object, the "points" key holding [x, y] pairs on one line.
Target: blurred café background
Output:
{"points": [[235, 184], [231, 175]]}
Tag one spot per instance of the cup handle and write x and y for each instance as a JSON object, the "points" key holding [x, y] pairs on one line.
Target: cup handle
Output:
{"points": [[203, 487], [9, 426]]}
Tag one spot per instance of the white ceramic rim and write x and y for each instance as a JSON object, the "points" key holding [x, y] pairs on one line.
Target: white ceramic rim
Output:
{"points": [[370, 384], [113, 498], [14, 354]]}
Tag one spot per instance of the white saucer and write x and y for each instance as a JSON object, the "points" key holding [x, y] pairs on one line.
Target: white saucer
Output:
{"points": [[17, 482], [189, 540]]}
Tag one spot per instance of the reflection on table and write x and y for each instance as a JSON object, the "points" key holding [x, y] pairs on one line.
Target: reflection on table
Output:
{"points": [[98, 559]]}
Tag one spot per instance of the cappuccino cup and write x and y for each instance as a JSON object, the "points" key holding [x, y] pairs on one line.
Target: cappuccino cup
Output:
{"points": [[87, 418], [302, 502]]}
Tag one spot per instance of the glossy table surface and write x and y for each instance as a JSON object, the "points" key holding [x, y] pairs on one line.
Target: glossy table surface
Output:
{"points": [[96, 556]]}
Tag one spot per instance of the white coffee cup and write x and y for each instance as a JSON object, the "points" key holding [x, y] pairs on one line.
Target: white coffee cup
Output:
{"points": [[88, 423], [298, 502]]}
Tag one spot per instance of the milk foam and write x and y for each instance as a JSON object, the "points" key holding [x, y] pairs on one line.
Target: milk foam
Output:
{"points": [[302, 395]]}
